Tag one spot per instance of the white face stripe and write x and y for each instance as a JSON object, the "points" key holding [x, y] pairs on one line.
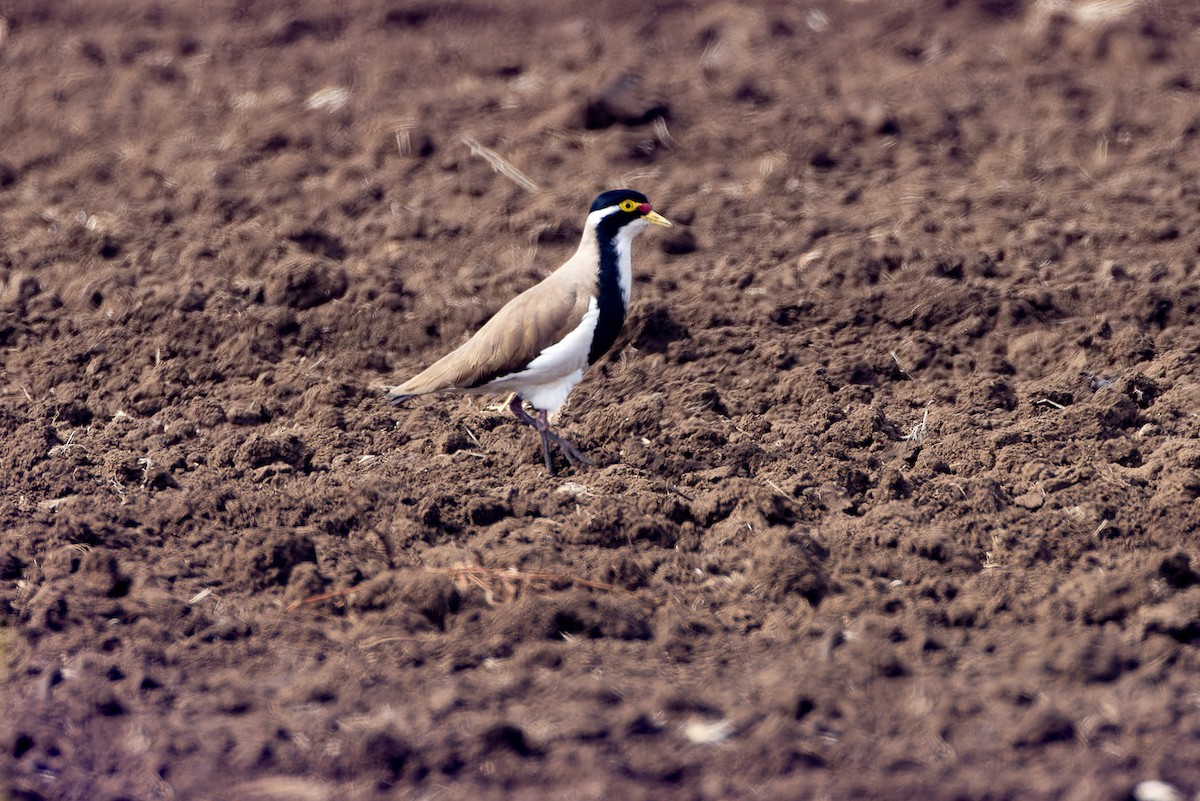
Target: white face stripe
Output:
{"points": [[624, 245], [595, 217], [625, 257]]}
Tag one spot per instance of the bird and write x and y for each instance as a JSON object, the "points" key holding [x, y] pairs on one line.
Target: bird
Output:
{"points": [[540, 343]]}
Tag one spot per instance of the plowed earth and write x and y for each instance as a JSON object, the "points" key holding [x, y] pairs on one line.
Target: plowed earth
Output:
{"points": [[898, 456]]}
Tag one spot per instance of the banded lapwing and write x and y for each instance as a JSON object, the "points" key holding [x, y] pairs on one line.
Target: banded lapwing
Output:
{"points": [[541, 342]]}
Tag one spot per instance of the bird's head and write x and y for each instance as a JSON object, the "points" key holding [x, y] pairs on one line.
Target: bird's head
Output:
{"points": [[619, 208]]}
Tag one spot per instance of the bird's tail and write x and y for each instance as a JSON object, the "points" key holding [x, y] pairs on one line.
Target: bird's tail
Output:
{"points": [[396, 397]]}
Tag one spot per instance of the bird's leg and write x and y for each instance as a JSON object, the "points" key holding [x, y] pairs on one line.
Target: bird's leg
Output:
{"points": [[542, 424], [516, 408], [546, 457], [542, 429], [573, 454]]}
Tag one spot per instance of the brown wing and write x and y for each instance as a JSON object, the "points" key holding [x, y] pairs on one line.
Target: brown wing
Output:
{"points": [[522, 329]]}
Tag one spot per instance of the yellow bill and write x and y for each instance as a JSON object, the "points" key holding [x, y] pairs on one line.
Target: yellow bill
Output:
{"points": [[654, 218]]}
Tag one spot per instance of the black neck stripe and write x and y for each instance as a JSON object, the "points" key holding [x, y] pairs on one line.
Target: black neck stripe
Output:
{"points": [[612, 305]]}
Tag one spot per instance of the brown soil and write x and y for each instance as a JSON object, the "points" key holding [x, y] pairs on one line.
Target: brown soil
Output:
{"points": [[898, 459]]}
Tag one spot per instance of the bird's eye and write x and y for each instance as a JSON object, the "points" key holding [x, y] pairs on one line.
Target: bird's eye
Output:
{"points": [[629, 205]]}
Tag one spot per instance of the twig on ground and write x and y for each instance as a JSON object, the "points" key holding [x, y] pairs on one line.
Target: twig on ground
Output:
{"points": [[899, 365], [681, 493], [471, 434], [200, 596], [779, 489], [403, 132], [500, 165]]}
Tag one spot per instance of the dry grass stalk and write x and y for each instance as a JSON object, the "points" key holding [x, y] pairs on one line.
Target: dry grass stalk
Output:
{"points": [[323, 596], [500, 165]]}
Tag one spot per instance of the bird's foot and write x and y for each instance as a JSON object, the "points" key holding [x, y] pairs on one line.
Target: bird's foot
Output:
{"points": [[573, 454]]}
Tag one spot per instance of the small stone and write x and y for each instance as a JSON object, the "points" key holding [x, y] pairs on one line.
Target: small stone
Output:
{"points": [[243, 414], [573, 488], [707, 732], [1031, 500], [1154, 790]]}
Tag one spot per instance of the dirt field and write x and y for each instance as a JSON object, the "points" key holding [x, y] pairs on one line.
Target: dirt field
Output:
{"points": [[898, 457]]}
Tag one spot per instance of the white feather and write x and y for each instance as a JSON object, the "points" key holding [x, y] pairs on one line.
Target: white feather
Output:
{"points": [[625, 237], [550, 377], [625, 256]]}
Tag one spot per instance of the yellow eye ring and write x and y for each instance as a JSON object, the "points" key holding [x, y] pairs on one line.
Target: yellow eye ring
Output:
{"points": [[629, 205]]}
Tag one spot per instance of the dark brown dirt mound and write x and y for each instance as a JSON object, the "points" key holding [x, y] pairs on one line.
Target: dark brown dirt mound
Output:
{"points": [[899, 456]]}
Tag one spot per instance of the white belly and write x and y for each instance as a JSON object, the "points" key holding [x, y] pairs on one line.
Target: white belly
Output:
{"points": [[550, 377]]}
